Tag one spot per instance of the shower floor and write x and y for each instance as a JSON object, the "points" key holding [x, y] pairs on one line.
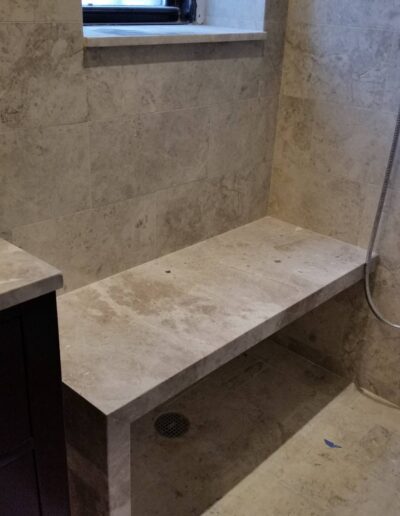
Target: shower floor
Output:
{"points": [[256, 445]]}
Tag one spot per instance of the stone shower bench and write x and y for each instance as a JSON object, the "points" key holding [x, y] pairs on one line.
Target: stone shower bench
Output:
{"points": [[134, 340]]}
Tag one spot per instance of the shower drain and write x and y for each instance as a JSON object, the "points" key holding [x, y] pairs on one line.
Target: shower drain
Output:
{"points": [[172, 425]]}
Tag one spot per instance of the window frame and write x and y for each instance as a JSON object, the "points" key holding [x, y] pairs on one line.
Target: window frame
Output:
{"points": [[174, 12]]}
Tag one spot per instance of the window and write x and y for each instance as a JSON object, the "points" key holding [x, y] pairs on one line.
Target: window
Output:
{"points": [[138, 11]]}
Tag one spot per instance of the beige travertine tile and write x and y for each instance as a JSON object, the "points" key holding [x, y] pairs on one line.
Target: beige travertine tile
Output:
{"points": [[207, 310], [318, 337], [337, 64], [92, 244], [46, 80], [281, 501], [391, 95], [235, 453], [44, 173], [42, 80], [341, 63], [381, 357], [276, 11], [202, 209], [177, 85], [294, 133], [246, 421], [373, 14], [133, 157], [350, 142], [240, 138], [58, 11], [18, 10], [297, 63], [105, 92], [179, 76], [181, 220], [329, 205], [41, 11], [236, 197], [271, 72]]}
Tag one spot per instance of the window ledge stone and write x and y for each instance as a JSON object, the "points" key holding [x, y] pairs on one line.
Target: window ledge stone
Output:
{"points": [[139, 35]]}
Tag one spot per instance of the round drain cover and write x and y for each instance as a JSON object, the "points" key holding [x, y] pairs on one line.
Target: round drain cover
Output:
{"points": [[172, 425]]}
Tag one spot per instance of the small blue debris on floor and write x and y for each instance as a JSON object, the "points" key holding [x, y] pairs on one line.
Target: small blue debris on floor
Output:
{"points": [[330, 444]]}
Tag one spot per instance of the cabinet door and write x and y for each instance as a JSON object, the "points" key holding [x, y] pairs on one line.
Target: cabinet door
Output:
{"points": [[14, 412], [45, 401], [19, 492]]}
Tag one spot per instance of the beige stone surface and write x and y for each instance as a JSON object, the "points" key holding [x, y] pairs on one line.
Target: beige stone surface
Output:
{"points": [[95, 243], [44, 173], [131, 341], [128, 36], [42, 78], [24, 277], [305, 477], [340, 97], [40, 10], [134, 157], [256, 445], [87, 136]]}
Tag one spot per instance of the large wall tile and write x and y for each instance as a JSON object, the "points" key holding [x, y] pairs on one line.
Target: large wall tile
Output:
{"points": [[336, 121], [239, 136], [378, 367], [41, 75], [237, 197], [271, 74], [41, 11], [350, 142], [297, 63], [319, 337], [338, 64], [377, 14], [105, 92], [201, 209], [193, 124], [61, 11], [329, 205], [93, 244], [18, 10], [186, 76], [374, 14], [277, 11], [294, 133], [147, 153], [391, 99], [44, 173], [168, 86], [181, 216]]}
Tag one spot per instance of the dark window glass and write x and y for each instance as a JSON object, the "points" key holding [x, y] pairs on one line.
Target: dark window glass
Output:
{"points": [[138, 11]]}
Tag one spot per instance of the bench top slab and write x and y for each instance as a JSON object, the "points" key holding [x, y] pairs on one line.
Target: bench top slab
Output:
{"points": [[134, 340]]}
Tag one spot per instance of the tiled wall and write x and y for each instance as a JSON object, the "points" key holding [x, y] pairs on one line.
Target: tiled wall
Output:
{"points": [[340, 93], [111, 157]]}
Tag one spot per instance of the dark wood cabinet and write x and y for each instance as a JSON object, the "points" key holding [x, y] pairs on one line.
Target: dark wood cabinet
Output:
{"points": [[33, 471]]}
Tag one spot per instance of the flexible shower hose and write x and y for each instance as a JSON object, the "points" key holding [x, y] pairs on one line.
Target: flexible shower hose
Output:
{"points": [[376, 226]]}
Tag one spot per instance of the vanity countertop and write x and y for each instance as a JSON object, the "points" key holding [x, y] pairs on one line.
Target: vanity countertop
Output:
{"points": [[24, 277]]}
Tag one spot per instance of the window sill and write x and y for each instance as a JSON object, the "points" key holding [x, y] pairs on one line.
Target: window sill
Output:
{"points": [[138, 35]]}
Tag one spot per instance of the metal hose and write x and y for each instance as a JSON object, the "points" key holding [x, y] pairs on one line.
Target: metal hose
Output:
{"points": [[376, 226]]}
